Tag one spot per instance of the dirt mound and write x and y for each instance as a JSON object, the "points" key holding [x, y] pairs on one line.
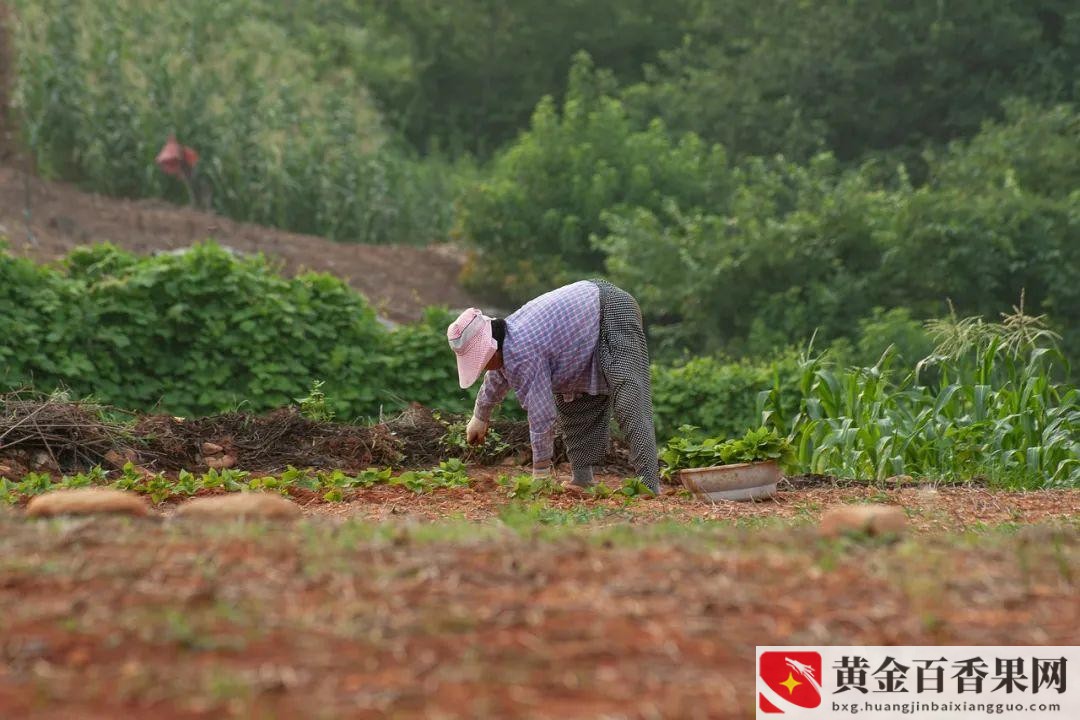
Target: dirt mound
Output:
{"points": [[400, 281], [87, 501], [57, 436], [240, 505]]}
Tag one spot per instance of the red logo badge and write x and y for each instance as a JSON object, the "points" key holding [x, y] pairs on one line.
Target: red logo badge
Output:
{"points": [[788, 681]]}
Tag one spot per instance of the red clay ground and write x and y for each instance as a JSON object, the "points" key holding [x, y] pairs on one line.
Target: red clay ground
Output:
{"points": [[327, 619], [929, 509], [557, 606]]}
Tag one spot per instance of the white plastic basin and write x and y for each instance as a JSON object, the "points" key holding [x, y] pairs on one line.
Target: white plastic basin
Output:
{"points": [[742, 481]]}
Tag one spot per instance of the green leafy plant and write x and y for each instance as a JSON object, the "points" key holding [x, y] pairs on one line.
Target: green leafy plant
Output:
{"points": [[634, 487], [269, 483], [186, 483], [9, 491], [96, 476], [456, 440], [371, 476], [450, 473], [600, 491], [337, 482], [158, 487], [313, 406], [228, 479], [418, 482], [131, 478], [523, 487], [757, 445], [300, 478]]}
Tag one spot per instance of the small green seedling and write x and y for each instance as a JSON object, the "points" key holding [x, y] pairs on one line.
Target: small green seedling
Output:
{"points": [[314, 405], [634, 487]]}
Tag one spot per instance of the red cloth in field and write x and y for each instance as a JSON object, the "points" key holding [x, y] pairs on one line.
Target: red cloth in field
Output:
{"points": [[176, 159]]}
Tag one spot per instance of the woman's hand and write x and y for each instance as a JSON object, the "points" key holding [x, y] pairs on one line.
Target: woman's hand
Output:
{"points": [[476, 431]]}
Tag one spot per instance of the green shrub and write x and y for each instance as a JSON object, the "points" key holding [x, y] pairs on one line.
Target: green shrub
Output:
{"points": [[533, 219], [203, 331], [798, 249], [721, 398]]}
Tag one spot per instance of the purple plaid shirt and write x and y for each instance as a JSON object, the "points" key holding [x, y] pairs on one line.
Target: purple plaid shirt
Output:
{"points": [[550, 348]]}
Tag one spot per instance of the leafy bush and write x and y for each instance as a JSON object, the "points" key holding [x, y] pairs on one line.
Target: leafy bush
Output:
{"points": [[720, 397], [202, 332], [534, 217], [794, 249]]}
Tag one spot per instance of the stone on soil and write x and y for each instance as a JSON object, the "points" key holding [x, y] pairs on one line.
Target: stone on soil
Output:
{"points": [[117, 460], [875, 520], [87, 501], [220, 462], [240, 505]]}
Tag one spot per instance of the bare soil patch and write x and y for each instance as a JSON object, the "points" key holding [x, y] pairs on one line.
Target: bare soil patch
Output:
{"points": [[928, 509], [108, 619]]}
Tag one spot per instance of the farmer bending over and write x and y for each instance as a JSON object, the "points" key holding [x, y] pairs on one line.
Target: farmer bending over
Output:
{"points": [[573, 355]]}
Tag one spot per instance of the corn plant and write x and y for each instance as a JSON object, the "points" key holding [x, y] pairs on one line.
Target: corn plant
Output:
{"points": [[282, 141], [985, 404]]}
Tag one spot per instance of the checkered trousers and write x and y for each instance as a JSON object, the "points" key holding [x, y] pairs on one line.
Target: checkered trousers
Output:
{"points": [[623, 356]]}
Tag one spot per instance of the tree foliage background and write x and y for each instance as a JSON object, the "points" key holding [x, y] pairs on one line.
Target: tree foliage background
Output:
{"points": [[755, 171]]}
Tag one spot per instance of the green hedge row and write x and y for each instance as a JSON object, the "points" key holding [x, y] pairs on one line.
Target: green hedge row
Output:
{"points": [[202, 331]]}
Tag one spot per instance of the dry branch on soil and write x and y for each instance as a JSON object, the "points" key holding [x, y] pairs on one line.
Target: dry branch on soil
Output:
{"points": [[71, 435], [43, 430], [267, 442]]}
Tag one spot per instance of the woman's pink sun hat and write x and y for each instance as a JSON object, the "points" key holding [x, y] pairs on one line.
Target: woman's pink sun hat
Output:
{"points": [[471, 340]]}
